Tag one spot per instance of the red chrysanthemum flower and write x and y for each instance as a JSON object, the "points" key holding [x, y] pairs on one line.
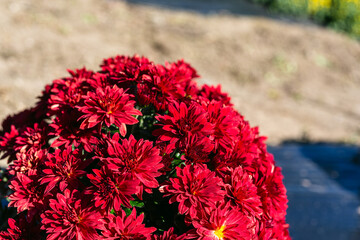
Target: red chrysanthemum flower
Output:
{"points": [[28, 194], [67, 93], [100, 80], [31, 160], [242, 191], [281, 230], [125, 69], [196, 149], [109, 106], [183, 74], [139, 158], [224, 223], [13, 232], [165, 151], [7, 143], [67, 218], [21, 230], [35, 137], [225, 122], [159, 88], [273, 230], [64, 167], [214, 93], [126, 227], [244, 152], [273, 195], [195, 188], [110, 190], [182, 122], [68, 132]]}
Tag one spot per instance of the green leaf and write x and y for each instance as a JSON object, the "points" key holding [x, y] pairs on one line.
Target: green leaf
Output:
{"points": [[127, 211], [138, 204], [176, 162]]}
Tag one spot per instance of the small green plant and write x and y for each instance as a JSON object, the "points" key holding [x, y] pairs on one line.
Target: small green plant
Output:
{"points": [[341, 15]]}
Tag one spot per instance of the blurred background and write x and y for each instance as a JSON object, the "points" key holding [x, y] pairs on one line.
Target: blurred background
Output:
{"points": [[292, 67]]}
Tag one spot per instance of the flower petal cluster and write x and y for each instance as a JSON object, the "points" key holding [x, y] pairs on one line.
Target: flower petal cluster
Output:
{"points": [[242, 192], [224, 222], [27, 194], [183, 122], [68, 218], [21, 229], [196, 188], [126, 227], [137, 150], [7, 144], [62, 169], [138, 158], [109, 106], [111, 189]]}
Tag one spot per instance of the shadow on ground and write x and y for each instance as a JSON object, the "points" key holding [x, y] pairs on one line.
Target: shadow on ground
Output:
{"points": [[340, 161], [238, 7], [323, 183]]}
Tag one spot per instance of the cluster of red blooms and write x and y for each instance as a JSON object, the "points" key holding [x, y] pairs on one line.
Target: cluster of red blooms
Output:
{"points": [[139, 151]]}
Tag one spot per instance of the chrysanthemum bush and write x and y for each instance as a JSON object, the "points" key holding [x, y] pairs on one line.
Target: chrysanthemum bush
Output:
{"points": [[137, 151]]}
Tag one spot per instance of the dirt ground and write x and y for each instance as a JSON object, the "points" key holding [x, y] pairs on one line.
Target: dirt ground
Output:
{"points": [[292, 80]]}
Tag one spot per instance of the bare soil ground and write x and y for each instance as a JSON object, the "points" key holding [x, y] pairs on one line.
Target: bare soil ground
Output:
{"points": [[291, 80]]}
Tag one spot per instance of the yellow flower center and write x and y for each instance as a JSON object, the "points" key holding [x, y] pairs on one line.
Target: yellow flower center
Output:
{"points": [[219, 232]]}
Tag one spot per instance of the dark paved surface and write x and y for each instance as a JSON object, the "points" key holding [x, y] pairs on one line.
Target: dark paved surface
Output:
{"points": [[323, 186]]}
